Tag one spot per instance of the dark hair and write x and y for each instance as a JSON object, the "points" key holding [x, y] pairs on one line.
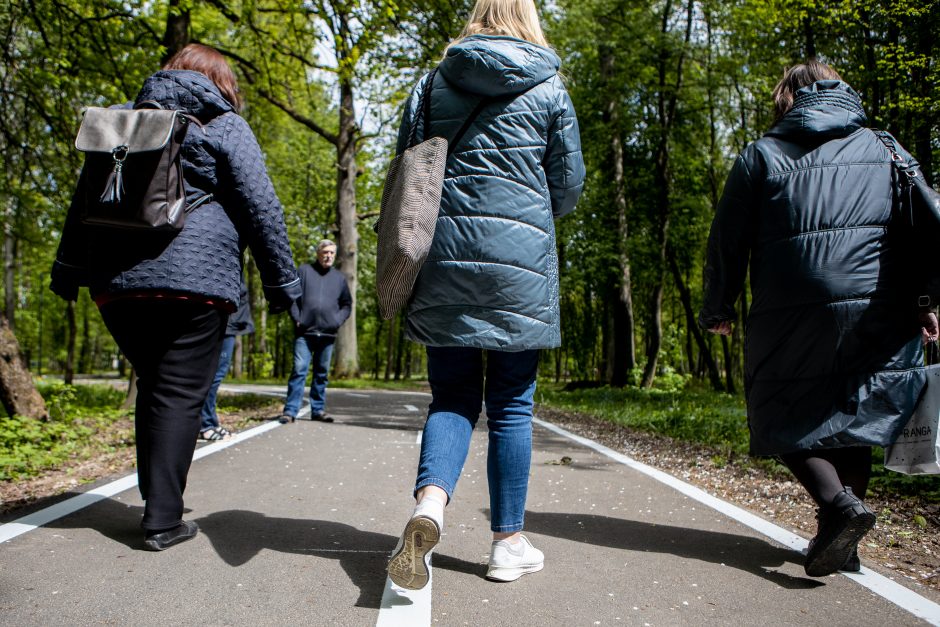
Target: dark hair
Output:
{"points": [[210, 62], [794, 79]]}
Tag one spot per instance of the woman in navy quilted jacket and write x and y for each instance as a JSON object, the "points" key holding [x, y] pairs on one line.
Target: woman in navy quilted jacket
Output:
{"points": [[834, 357], [166, 299], [486, 299]]}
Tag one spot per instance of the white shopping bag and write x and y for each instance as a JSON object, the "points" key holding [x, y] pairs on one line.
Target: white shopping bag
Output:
{"points": [[917, 450]]}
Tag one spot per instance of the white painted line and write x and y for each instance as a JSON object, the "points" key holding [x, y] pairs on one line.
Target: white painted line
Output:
{"points": [[357, 395], [54, 512], [238, 438], [420, 437], [891, 591], [45, 516], [411, 408], [405, 608]]}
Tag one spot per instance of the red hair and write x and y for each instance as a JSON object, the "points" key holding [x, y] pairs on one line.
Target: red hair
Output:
{"points": [[208, 61]]}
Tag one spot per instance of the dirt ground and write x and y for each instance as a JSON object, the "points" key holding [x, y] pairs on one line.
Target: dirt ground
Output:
{"points": [[897, 542]]}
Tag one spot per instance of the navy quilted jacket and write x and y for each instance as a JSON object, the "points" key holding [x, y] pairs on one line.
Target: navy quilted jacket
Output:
{"points": [[491, 278], [833, 352], [220, 157]]}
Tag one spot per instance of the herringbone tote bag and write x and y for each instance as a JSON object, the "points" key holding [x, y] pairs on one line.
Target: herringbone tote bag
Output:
{"points": [[411, 200], [410, 203]]}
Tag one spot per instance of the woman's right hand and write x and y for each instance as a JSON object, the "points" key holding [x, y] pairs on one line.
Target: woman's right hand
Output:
{"points": [[724, 328], [929, 328]]}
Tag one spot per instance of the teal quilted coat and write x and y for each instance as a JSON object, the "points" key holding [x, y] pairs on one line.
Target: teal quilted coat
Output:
{"points": [[491, 278]]}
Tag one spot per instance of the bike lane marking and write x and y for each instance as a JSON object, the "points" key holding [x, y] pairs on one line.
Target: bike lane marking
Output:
{"points": [[891, 591]]}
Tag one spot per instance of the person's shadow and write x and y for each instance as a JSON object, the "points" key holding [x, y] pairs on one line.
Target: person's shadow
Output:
{"points": [[751, 555], [238, 535]]}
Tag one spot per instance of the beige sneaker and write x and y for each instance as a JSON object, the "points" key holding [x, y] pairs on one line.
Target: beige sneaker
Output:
{"points": [[410, 565], [508, 561]]}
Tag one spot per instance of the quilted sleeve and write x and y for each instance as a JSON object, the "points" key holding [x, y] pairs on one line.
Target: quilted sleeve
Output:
{"points": [[564, 164], [249, 195], [728, 248]]}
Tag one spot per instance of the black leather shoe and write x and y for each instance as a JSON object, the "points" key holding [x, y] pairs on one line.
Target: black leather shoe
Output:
{"points": [[285, 418], [841, 525], [160, 540]]}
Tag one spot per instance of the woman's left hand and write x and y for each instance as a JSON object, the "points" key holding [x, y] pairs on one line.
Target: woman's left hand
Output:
{"points": [[930, 329], [724, 328]]}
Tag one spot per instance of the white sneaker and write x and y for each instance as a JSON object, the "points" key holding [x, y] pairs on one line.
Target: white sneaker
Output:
{"points": [[508, 561], [410, 565]]}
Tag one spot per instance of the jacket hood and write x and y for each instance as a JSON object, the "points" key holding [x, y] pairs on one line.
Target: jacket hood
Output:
{"points": [[187, 91], [824, 109], [492, 65]]}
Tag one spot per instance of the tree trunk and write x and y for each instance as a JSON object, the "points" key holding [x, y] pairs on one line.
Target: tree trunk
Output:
{"points": [[176, 35], [729, 365], [238, 356], [131, 399], [85, 353], [622, 356], [17, 391], [685, 296], [9, 276], [70, 342], [666, 111], [347, 254], [389, 344], [400, 348]]}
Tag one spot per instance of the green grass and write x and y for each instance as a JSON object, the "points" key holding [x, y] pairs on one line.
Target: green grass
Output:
{"points": [[697, 414], [77, 414], [693, 414]]}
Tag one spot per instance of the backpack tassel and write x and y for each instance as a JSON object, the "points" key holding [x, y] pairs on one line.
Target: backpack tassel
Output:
{"points": [[114, 187]]}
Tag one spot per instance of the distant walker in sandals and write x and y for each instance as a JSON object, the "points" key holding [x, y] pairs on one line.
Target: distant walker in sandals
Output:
{"points": [[239, 323], [318, 315]]}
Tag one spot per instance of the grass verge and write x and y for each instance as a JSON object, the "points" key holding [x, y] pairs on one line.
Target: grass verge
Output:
{"points": [[697, 414]]}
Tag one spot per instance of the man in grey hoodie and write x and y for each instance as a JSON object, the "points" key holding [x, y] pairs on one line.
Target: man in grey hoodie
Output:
{"points": [[323, 308]]}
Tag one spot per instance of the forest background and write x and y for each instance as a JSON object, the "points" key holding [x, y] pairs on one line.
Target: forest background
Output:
{"points": [[667, 93]]}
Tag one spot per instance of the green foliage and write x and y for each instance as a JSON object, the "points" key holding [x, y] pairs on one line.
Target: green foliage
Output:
{"points": [[692, 413], [29, 446]]}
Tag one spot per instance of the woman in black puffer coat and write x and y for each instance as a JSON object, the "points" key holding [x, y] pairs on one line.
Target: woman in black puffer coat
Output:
{"points": [[834, 335], [166, 299]]}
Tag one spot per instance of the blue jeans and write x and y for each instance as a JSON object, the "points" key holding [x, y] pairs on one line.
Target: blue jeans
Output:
{"points": [[458, 390], [208, 417], [317, 349]]}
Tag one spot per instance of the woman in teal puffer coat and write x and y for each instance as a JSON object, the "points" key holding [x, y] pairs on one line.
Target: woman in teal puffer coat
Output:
{"points": [[486, 299]]}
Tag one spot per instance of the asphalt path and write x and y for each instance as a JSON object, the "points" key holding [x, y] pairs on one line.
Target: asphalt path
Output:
{"points": [[298, 520]]}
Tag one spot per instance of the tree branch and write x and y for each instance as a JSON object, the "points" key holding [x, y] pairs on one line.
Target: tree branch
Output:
{"points": [[299, 117]]}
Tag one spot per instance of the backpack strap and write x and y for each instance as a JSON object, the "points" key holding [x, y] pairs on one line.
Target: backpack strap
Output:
{"points": [[185, 117]]}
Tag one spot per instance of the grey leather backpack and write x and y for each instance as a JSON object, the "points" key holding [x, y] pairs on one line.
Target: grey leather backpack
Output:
{"points": [[133, 173]]}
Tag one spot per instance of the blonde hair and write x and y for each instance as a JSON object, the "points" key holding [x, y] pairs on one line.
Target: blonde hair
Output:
{"points": [[509, 18]]}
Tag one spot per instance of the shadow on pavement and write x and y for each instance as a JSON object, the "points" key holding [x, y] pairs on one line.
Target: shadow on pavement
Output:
{"points": [[112, 519], [238, 535], [751, 555]]}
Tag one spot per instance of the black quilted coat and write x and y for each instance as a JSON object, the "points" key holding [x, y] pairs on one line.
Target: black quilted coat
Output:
{"points": [[221, 157], [833, 355]]}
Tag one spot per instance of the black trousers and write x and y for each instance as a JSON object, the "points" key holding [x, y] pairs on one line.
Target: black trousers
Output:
{"points": [[174, 346]]}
